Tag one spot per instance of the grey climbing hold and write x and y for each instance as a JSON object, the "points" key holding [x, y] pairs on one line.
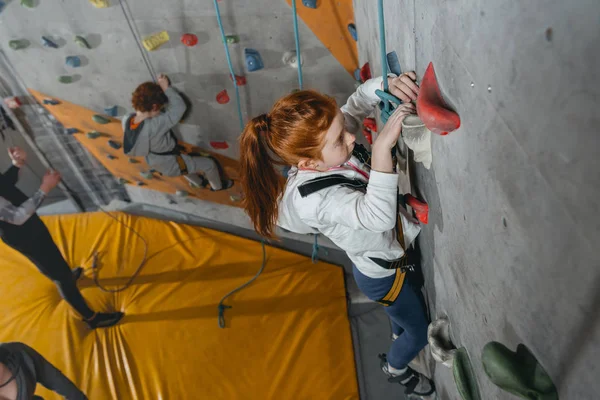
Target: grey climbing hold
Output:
{"points": [[114, 144], [93, 135], [71, 131], [47, 42], [51, 102], [80, 40], [99, 119], [441, 347], [112, 111], [133, 161], [111, 157], [146, 175], [28, 3], [73, 61], [254, 61], [181, 193], [393, 63], [18, 44], [65, 79]]}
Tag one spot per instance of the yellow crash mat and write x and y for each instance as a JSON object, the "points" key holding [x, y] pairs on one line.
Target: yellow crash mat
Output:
{"points": [[286, 337]]}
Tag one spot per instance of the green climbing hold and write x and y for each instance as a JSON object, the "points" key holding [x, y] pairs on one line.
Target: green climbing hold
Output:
{"points": [[99, 119], [123, 181], [93, 135], [111, 157], [231, 39], [519, 373], [181, 193], [65, 79], [80, 40], [464, 376], [133, 161], [28, 3], [18, 44], [146, 175], [114, 144]]}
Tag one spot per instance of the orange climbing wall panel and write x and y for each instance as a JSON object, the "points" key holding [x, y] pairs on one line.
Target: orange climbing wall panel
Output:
{"points": [[287, 335], [329, 22], [74, 116]]}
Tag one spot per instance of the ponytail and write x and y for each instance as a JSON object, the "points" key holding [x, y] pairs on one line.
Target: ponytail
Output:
{"points": [[293, 130]]}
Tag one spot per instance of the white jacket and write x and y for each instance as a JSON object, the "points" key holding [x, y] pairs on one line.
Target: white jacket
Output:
{"points": [[360, 224]]}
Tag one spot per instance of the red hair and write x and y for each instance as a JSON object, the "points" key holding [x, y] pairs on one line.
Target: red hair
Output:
{"points": [[147, 95], [292, 130]]}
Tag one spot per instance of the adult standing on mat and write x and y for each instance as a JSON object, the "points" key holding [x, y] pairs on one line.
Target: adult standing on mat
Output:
{"points": [[22, 368], [23, 230], [148, 133]]}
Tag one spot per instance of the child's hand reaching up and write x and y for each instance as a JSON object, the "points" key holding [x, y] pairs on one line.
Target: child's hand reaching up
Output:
{"points": [[387, 139], [404, 87]]}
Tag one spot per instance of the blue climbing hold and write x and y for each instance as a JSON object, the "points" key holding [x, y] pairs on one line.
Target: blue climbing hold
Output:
{"points": [[47, 42], [71, 131], [112, 111], [2, 5], [353, 33], [393, 63], [73, 61], [51, 102], [357, 74], [253, 60], [309, 3]]}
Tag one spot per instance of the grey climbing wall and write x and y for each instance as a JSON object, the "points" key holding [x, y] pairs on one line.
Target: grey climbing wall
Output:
{"points": [[114, 66], [510, 249]]}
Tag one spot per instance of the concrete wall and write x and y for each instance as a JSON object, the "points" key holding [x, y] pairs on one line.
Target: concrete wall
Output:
{"points": [[510, 247]]}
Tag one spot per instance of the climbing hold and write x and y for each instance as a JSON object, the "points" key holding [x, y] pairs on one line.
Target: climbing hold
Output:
{"points": [[123, 181], [99, 3], [93, 135], [368, 135], [418, 138], [47, 42], [472, 84], [309, 3], [99, 119], [223, 97], [80, 40], [219, 145], [464, 376], [114, 144], [181, 193], [365, 73], [519, 373], [432, 108], [51, 102], [112, 111], [393, 63], [133, 161], [146, 175], [152, 170], [232, 39], [253, 60], [65, 79], [2, 5], [235, 198], [73, 61], [28, 3], [357, 74], [189, 39], [370, 124], [291, 58], [139, 183], [441, 347], [18, 44], [111, 157], [353, 33], [156, 40], [71, 131], [239, 80], [489, 89]]}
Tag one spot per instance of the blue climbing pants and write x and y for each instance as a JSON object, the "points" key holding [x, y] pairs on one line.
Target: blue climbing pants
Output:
{"points": [[407, 313]]}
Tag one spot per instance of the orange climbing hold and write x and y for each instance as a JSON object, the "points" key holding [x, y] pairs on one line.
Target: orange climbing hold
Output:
{"points": [[239, 80], [420, 208], [432, 108], [365, 73], [189, 39], [223, 97]]}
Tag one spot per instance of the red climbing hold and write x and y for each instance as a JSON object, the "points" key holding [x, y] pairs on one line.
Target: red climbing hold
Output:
{"points": [[240, 80], [189, 39], [420, 208], [365, 73], [223, 97], [368, 135], [219, 145], [370, 124], [432, 108]]}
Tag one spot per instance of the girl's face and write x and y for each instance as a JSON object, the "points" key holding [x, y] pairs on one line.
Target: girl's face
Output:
{"points": [[338, 147]]}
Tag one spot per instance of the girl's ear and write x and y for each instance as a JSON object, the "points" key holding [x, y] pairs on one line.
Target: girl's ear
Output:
{"points": [[307, 163]]}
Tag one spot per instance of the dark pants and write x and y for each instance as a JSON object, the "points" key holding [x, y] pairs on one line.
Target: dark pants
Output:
{"points": [[407, 313], [40, 249]]}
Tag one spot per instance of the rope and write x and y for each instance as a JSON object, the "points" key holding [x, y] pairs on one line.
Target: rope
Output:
{"points": [[237, 90], [222, 307], [137, 36], [297, 39]]}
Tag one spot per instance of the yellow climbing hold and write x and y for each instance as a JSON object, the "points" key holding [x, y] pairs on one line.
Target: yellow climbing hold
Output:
{"points": [[99, 3], [156, 40]]}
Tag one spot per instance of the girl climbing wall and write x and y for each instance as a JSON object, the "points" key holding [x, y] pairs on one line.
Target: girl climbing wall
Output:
{"points": [[337, 188]]}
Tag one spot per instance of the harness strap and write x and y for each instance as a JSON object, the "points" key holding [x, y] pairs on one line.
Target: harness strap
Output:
{"points": [[324, 182]]}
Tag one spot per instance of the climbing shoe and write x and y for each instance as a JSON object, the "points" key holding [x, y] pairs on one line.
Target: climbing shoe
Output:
{"points": [[228, 183], [76, 273], [415, 383], [104, 320]]}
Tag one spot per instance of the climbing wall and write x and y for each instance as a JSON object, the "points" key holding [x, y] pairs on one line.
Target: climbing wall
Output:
{"points": [[95, 138]]}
